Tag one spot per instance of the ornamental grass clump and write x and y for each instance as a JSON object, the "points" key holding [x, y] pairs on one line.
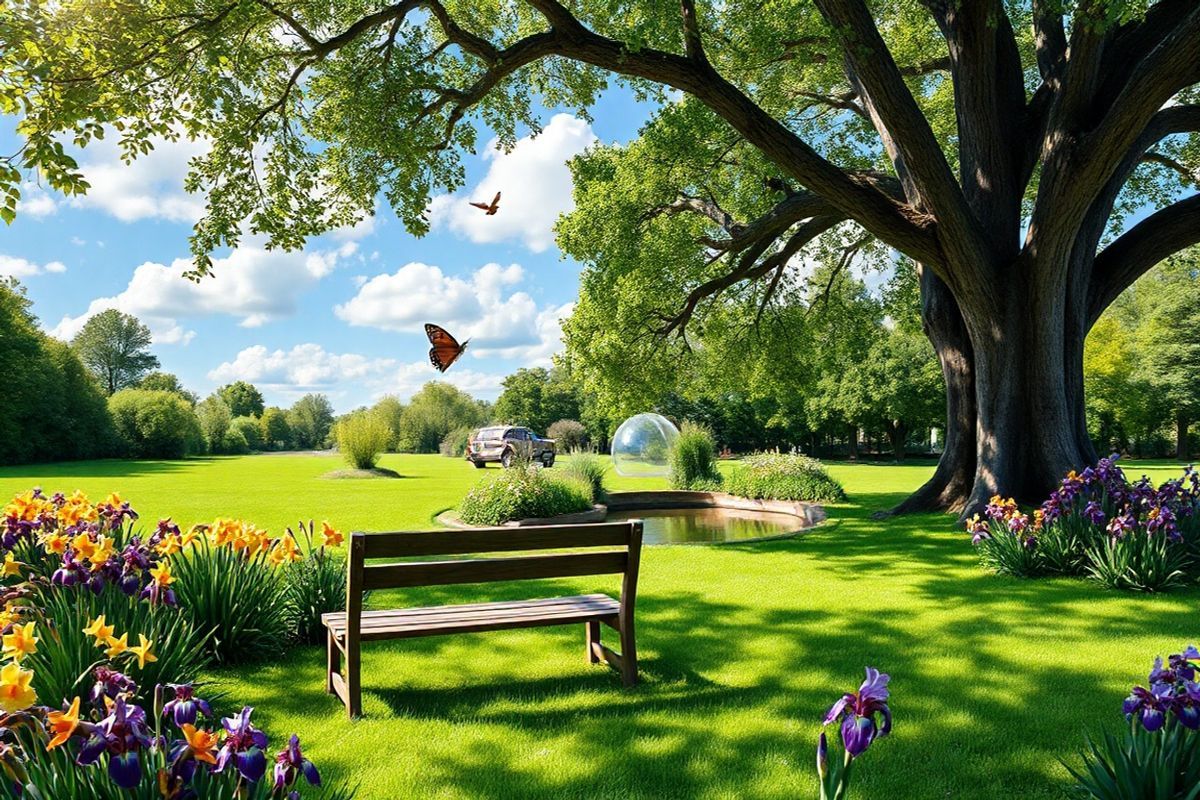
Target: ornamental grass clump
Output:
{"points": [[523, 492], [783, 476], [590, 470], [314, 585], [1158, 753], [862, 717], [1099, 525], [692, 460]]}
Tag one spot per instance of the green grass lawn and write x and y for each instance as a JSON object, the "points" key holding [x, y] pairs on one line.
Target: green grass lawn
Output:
{"points": [[743, 649]]}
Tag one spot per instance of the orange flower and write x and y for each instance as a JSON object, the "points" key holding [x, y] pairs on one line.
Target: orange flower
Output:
{"points": [[169, 546], [285, 550], [62, 724], [77, 509], [21, 642], [201, 744], [162, 574], [54, 543], [102, 552], [84, 546], [329, 536]]}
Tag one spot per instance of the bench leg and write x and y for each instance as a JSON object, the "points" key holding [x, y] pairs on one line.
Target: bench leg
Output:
{"points": [[629, 669], [333, 661], [593, 639], [353, 680]]}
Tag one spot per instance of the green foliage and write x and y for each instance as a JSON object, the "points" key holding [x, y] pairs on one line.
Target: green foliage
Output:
{"points": [[536, 398], [312, 586], [692, 460], [155, 424], [52, 408], [244, 399], [250, 430], [589, 470], [523, 492], [311, 419], [362, 437], [166, 382], [569, 435], [275, 430], [234, 443], [390, 410], [1136, 764], [66, 655], [776, 476], [455, 443], [1008, 554], [1137, 562], [237, 600], [116, 348], [214, 418], [433, 412]]}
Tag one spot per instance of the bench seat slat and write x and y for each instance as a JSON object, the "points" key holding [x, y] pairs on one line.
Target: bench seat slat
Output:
{"points": [[434, 620]]}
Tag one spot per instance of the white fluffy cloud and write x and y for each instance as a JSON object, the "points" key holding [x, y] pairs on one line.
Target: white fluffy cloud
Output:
{"points": [[35, 201], [252, 284], [407, 379], [535, 184], [304, 367], [14, 267], [475, 307], [150, 187]]}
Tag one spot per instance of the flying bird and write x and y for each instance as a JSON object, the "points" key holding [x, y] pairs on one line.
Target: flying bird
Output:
{"points": [[445, 350], [489, 208]]}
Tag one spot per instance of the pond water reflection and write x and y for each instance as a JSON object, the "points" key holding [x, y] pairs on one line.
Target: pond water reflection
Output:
{"points": [[707, 525]]}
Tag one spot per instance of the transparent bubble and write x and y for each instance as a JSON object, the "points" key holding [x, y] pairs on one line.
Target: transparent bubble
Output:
{"points": [[641, 444]]}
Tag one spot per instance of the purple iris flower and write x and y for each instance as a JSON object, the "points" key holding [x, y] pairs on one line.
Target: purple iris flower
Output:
{"points": [[1094, 513], [858, 712], [122, 734], [244, 746], [111, 684], [1160, 674], [1052, 508], [1150, 706], [1121, 525], [1185, 664], [1160, 518], [1187, 706], [184, 707], [822, 756], [1018, 523], [290, 763]]}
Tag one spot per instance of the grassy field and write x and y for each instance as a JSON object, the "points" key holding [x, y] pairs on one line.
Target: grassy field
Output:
{"points": [[743, 648]]}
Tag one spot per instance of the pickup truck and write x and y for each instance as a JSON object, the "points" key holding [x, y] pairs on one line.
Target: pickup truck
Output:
{"points": [[506, 444]]}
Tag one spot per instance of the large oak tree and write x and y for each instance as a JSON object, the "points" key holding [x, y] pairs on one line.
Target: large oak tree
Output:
{"points": [[1007, 138]]}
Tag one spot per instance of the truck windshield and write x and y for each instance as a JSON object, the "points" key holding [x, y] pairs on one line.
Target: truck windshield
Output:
{"points": [[490, 433]]}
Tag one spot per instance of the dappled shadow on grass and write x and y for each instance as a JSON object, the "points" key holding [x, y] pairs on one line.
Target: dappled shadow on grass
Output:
{"points": [[107, 468], [994, 679]]}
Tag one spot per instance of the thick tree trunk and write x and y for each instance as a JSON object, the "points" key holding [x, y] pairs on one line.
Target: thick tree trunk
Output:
{"points": [[897, 433], [1181, 437], [853, 444], [951, 483]]}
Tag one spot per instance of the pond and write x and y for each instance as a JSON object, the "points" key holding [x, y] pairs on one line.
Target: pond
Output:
{"points": [[707, 525]]}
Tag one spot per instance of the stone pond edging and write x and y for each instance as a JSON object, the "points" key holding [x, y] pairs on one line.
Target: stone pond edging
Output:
{"points": [[809, 514]]}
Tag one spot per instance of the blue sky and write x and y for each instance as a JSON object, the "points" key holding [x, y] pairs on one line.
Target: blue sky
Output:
{"points": [[342, 317]]}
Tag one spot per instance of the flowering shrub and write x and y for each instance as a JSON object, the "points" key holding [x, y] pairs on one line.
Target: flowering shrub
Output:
{"points": [[1158, 754], [1126, 535], [314, 585], [87, 605], [779, 476], [864, 716], [521, 493]]}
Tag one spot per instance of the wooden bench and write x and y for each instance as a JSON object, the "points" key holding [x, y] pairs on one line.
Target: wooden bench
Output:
{"points": [[622, 543]]}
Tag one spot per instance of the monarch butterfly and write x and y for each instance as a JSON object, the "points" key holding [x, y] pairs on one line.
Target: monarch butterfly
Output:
{"points": [[445, 350], [489, 208]]}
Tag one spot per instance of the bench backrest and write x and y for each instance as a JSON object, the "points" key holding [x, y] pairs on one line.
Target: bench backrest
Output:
{"points": [[621, 553]]}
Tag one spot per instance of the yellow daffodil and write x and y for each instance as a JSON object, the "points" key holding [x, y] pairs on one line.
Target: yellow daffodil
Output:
{"points": [[103, 551], [21, 642], [113, 500], [285, 550], [142, 651], [15, 692], [191, 535], [84, 546], [11, 566], [77, 509], [329, 536], [201, 744], [28, 507], [62, 724], [162, 574], [169, 546], [117, 646], [54, 543], [100, 631], [224, 531]]}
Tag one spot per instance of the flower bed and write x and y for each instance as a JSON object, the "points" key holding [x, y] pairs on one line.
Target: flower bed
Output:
{"points": [[101, 619], [524, 492], [1098, 524], [779, 476]]}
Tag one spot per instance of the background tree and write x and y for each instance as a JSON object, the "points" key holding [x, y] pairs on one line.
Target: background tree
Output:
{"points": [[167, 382], [390, 410], [244, 399], [568, 435], [992, 143], [214, 417], [276, 432], [536, 398], [311, 419], [155, 424], [1170, 344], [432, 413], [248, 430], [116, 348]]}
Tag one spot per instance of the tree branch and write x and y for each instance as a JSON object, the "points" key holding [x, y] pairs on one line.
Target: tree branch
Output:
{"points": [[1134, 252], [1050, 39], [692, 44]]}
